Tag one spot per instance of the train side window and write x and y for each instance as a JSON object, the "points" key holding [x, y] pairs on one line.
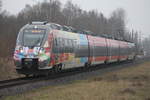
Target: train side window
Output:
{"points": [[56, 42], [66, 45], [76, 45], [73, 45], [69, 45], [55, 46], [71, 42], [61, 45], [58, 45], [53, 49]]}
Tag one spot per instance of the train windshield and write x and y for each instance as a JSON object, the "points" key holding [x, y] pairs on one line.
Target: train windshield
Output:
{"points": [[33, 37]]}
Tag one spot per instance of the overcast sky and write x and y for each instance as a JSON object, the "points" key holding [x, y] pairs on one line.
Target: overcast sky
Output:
{"points": [[137, 11]]}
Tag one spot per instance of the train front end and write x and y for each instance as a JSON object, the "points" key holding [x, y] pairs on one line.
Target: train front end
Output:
{"points": [[32, 52]]}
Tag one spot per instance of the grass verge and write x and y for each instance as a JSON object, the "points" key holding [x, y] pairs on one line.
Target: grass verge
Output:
{"points": [[7, 69], [131, 83]]}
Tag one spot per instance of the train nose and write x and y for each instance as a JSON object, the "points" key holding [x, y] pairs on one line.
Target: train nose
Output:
{"points": [[29, 62]]}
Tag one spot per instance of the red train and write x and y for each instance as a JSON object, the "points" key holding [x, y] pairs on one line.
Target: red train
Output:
{"points": [[42, 47]]}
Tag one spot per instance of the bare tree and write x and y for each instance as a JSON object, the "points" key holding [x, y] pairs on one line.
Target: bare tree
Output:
{"points": [[146, 46], [0, 5], [71, 14], [117, 23]]}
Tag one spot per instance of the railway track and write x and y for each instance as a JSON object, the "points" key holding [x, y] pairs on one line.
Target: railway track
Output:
{"points": [[21, 81], [9, 87], [14, 82]]}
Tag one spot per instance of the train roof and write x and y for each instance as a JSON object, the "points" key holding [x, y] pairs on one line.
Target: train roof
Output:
{"points": [[71, 29]]}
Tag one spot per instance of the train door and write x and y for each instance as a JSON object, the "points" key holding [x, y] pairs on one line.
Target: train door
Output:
{"points": [[92, 52], [114, 50], [55, 50], [108, 50], [91, 49], [89, 54], [82, 50], [123, 51]]}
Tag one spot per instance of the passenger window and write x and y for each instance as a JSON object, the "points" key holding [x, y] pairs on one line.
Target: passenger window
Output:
{"points": [[60, 45], [68, 45], [56, 41], [71, 42], [63, 44]]}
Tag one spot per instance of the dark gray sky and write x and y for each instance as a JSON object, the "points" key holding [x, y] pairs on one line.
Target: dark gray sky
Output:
{"points": [[137, 11]]}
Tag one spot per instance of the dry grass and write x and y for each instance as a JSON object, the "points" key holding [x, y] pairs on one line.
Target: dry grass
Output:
{"points": [[7, 69], [126, 84]]}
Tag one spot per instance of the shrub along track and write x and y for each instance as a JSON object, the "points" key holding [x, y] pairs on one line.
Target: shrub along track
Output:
{"points": [[20, 85]]}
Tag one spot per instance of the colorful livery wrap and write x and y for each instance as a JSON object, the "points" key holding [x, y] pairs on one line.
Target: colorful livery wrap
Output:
{"points": [[41, 49]]}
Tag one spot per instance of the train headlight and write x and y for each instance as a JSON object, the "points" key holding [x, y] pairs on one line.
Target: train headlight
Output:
{"points": [[41, 50], [21, 50]]}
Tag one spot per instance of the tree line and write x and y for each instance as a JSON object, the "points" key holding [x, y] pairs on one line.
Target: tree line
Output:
{"points": [[68, 14]]}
